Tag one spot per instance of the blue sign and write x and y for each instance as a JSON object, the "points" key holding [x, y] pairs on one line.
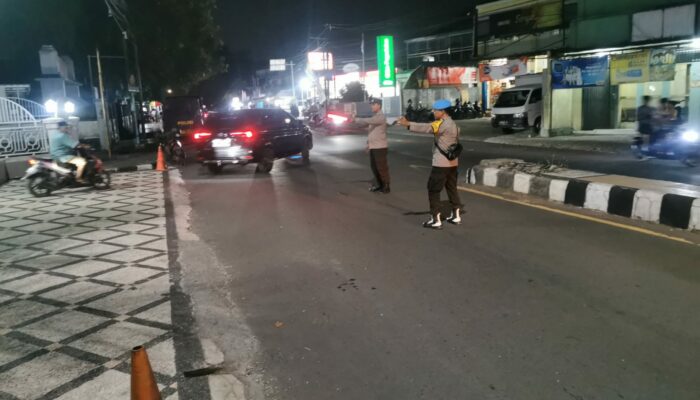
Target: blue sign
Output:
{"points": [[580, 72]]}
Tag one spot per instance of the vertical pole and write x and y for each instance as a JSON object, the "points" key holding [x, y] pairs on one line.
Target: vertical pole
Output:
{"points": [[294, 87], [108, 140], [142, 126], [92, 85], [364, 71]]}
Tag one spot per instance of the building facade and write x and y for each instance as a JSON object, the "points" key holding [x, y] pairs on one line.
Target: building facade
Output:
{"points": [[601, 56]]}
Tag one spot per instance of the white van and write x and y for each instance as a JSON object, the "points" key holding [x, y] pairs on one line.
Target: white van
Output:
{"points": [[518, 108]]}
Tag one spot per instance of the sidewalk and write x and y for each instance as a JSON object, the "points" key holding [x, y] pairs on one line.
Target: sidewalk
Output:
{"points": [[84, 277]]}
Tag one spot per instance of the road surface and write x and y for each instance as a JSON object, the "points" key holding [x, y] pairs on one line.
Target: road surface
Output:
{"points": [[315, 288]]}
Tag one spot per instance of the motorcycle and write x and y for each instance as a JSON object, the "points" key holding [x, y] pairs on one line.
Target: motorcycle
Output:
{"points": [[46, 175], [678, 144]]}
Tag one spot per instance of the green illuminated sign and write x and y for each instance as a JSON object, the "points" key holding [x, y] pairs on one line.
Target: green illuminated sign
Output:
{"points": [[385, 61]]}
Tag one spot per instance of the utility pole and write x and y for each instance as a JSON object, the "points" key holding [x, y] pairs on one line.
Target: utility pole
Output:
{"points": [[362, 47], [108, 140], [294, 88]]}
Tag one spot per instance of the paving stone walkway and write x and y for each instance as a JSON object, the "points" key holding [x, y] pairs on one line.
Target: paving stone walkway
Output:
{"points": [[84, 278]]}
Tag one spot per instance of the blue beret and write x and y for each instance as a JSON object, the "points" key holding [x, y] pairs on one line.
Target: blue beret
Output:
{"points": [[442, 104]]}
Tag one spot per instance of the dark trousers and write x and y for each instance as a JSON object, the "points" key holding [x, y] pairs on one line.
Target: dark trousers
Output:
{"points": [[443, 177], [380, 166]]}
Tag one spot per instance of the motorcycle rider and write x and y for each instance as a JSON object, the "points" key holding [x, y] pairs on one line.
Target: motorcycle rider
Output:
{"points": [[63, 147]]}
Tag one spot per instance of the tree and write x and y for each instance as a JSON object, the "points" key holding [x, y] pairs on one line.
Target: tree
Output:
{"points": [[178, 40], [353, 92]]}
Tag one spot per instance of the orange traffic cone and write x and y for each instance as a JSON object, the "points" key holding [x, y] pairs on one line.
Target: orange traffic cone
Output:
{"points": [[143, 383], [160, 160]]}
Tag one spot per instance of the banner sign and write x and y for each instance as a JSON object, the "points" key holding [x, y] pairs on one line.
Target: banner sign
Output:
{"points": [[451, 75], [629, 68], [662, 65], [579, 72], [320, 61], [279, 64], [385, 61], [497, 72]]}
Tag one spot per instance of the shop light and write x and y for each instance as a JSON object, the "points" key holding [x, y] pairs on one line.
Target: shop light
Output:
{"points": [[695, 43]]}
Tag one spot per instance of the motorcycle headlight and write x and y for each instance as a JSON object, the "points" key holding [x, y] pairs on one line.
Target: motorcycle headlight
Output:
{"points": [[690, 136]]}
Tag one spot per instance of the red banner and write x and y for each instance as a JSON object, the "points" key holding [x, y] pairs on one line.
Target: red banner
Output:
{"points": [[451, 75]]}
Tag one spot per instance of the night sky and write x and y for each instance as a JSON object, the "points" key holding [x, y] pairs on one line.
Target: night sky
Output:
{"points": [[260, 30]]}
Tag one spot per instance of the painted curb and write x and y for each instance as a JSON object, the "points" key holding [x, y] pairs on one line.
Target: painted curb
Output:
{"points": [[648, 205]]}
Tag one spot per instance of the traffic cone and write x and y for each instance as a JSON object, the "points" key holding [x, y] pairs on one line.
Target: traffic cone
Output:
{"points": [[160, 160], [143, 383]]}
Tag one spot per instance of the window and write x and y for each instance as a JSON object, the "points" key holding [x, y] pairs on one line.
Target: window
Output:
{"points": [[276, 119], [515, 98], [536, 96]]}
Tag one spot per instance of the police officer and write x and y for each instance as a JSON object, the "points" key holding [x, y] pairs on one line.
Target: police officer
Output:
{"points": [[444, 171], [377, 146]]}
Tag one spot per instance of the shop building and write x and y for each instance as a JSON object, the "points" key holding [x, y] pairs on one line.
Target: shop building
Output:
{"points": [[601, 56]]}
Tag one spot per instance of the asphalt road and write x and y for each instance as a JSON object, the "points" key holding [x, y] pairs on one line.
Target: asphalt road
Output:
{"points": [[315, 288]]}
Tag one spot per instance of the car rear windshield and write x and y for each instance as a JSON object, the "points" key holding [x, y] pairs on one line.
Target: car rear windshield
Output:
{"points": [[515, 98], [247, 119], [181, 106]]}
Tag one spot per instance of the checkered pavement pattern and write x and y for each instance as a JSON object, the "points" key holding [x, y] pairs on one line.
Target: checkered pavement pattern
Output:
{"points": [[84, 278]]}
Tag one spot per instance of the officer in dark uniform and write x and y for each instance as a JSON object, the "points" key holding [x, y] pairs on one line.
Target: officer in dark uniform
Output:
{"points": [[444, 171]]}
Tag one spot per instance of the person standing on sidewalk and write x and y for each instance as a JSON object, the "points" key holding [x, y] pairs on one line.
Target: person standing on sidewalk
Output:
{"points": [[645, 120], [377, 146], [444, 171]]}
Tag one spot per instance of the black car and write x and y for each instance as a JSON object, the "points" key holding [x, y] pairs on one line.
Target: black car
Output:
{"points": [[252, 136]]}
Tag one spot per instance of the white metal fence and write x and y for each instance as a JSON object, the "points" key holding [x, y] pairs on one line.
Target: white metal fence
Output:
{"points": [[37, 110], [20, 132]]}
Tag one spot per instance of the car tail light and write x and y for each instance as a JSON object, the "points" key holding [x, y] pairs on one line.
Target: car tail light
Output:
{"points": [[243, 134], [199, 136]]}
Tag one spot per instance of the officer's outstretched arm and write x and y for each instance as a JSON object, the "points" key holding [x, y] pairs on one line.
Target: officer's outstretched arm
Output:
{"points": [[420, 127]]}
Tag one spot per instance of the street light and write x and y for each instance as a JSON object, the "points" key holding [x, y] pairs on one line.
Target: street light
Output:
{"points": [[305, 83], [170, 91], [69, 107], [51, 107]]}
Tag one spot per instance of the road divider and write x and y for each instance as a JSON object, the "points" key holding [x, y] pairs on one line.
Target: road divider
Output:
{"points": [[668, 203]]}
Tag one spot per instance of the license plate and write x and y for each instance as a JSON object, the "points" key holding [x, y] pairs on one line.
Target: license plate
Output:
{"points": [[185, 123], [503, 123], [221, 143]]}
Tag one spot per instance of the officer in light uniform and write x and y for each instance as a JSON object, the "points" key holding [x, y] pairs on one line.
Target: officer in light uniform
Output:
{"points": [[444, 171], [377, 146]]}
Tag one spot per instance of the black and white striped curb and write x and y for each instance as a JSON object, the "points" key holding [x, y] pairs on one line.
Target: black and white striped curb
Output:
{"points": [[133, 168], [648, 205]]}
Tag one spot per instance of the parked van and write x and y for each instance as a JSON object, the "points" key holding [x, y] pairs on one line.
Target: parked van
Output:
{"points": [[519, 108]]}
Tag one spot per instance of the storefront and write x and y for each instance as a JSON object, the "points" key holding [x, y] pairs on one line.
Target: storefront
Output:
{"points": [[603, 92]]}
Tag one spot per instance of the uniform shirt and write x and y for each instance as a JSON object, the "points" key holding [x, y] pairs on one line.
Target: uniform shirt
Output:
{"points": [[62, 146], [377, 130], [447, 134]]}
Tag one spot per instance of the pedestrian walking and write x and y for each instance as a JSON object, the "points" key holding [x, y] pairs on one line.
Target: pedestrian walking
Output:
{"points": [[377, 146], [443, 175]]}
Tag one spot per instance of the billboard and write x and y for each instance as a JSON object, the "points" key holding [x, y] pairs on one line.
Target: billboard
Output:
{"points": [[320, 61], [662, 65], [510, 69], [629, 68], [514, 17], [580, 72], [451, 75], [279, 64], [385, 61]]}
